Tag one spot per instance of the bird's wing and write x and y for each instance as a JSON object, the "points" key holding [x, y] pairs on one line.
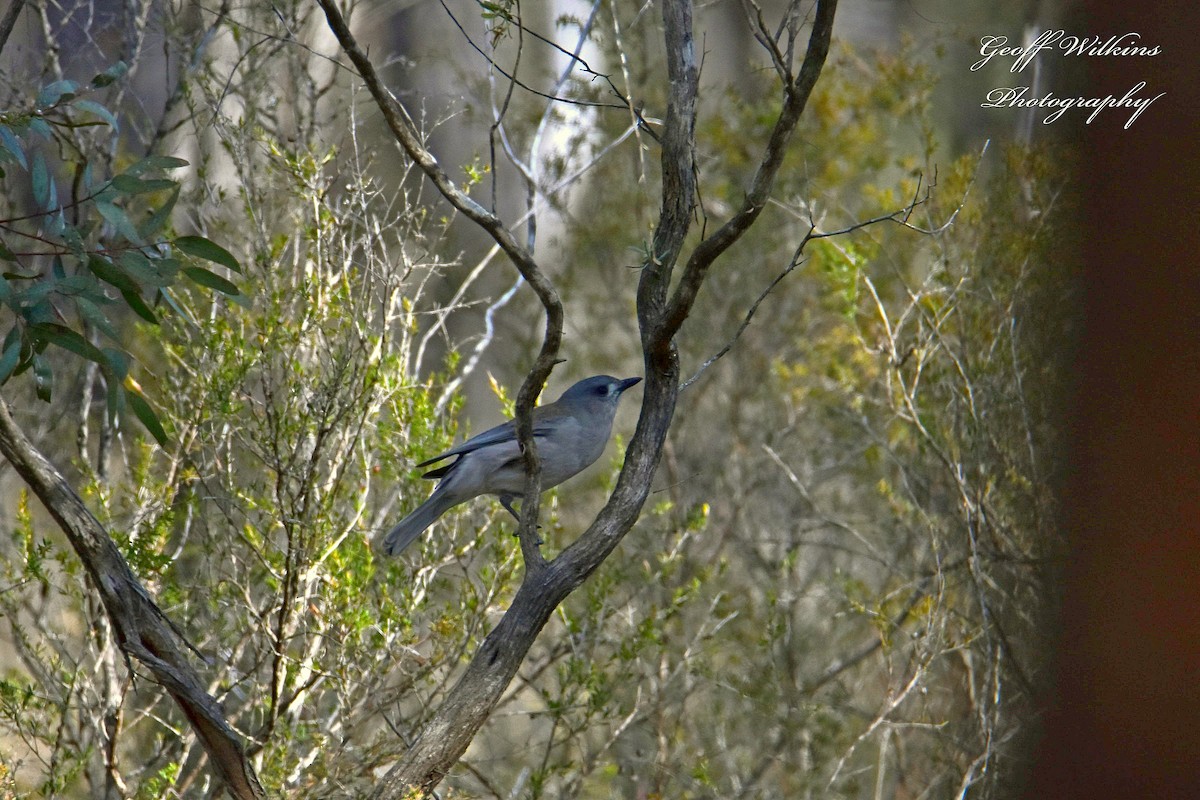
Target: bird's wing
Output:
{"points": [[504, 432]]}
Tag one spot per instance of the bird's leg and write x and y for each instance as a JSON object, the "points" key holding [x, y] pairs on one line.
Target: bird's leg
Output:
{"points": [[506, 500]]}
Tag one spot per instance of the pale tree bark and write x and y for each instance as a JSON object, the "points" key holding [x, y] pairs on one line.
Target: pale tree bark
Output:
{"points": [[142, 630], [660, 312]]}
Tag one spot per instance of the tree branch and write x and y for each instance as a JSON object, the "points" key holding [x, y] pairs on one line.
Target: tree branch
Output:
{"points": [[546, 584], [142, 629], [405, 132], [9, 21], [795, 98]]}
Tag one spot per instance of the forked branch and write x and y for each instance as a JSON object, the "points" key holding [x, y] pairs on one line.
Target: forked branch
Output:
{"points": [[546, 584]]}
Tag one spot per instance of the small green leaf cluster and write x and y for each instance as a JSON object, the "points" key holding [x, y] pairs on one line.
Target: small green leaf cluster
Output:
{"points": [[88, 245]]}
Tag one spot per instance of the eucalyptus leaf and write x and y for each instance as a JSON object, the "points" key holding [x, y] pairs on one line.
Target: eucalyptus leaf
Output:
{"points": [[157, 220], [42, 129], [130, 184], [106, 271], [10, 357], [110, 75], [141, 269], [43, 377], [92, 107], [92, 313], [116, 216], [39, 177], [53, 93], [142, 410], [67, 339], [199, 247], [155, 163], [10, 142], [134, 299], [211, 280]]}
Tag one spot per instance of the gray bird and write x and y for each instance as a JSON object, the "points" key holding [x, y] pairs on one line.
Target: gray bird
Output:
{"points": [[570, 433]]}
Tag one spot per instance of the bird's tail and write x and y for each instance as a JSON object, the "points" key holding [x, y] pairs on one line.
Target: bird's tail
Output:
{"points": [[414, 524]]}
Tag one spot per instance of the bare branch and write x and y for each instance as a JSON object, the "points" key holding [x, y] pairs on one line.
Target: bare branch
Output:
{"points": [[405, 132], [9, 21], [142, 629], [796, 97]]}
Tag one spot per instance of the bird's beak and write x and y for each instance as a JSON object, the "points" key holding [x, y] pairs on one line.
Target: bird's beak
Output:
{"points": [[628, 383]]}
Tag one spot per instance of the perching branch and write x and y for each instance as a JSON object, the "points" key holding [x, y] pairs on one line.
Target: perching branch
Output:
{"points": [[405, 132], [796, 96], [142, 629], [546, 584]]}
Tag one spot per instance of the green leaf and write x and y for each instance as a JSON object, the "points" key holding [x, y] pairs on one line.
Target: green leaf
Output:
{"points": [[39, 312], [142, 410], [118, 363], [92, 313], [72, 239], [43, 377], [83, 284], [110, 75], [44, 191], [141, 269], [135, 301], [32, 296], [11, 356], [53, 93], [41, 128], [116, 216], [67, 339], [6, 254], [106, 271], [10, 142], [155, 163], [211, 280], [199, 247], [158, 220], [165, 294], [92, 107], [132, 185]]}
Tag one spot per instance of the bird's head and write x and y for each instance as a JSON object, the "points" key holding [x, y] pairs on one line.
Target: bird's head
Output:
{"points": [[599, 388]]}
